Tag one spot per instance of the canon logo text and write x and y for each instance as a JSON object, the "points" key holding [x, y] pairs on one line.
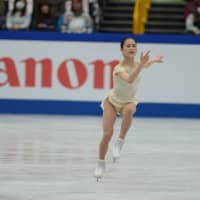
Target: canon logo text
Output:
{"points": [[8, 67]]}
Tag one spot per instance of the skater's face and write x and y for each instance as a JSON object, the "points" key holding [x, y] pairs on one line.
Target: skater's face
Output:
{"points": [[129, 48]]}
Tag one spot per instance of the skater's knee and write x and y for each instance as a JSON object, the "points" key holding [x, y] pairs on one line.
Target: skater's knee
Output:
{"points": [[129, 111]]}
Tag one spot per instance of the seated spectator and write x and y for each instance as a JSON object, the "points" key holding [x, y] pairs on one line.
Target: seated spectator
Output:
{"points": [[44, 20], [95, 12], [2, 14], [89, 7], [76, 21], [29, 8], [85, 6], [193, 22], [18, 18], [58, 6], [190, 7]]}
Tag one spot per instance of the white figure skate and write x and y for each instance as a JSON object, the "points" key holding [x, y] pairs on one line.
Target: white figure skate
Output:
{"points": [[117, 149], [100, 169]]}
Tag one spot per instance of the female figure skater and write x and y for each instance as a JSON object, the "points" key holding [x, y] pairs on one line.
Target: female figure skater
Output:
{"points": [[121, 100]]}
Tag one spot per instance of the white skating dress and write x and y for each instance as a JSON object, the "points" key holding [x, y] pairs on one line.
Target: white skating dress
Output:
{"points": [[122, 91]]}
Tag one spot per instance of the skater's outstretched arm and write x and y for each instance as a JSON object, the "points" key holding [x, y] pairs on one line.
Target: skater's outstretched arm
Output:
{"points": [[157, 59]]}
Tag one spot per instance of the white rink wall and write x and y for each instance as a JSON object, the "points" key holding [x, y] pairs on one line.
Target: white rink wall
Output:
{"points": [[81, 70]]}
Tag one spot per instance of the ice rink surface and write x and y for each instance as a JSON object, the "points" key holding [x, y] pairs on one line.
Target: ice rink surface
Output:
{"points": [[53, 158]]}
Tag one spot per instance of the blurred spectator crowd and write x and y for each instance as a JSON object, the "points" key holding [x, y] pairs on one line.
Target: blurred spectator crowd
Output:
{"points": [[70, 16], [79, 16]]}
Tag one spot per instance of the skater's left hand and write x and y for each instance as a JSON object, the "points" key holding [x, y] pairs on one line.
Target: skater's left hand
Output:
{"points": [[159, 59]]}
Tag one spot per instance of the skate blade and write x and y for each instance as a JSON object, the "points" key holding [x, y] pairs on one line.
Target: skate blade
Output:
{"points": [[115, 159], [98, 179]]}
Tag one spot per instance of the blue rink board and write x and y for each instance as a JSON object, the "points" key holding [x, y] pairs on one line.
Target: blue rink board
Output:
{"points": [[99, 37], [93, 108]]}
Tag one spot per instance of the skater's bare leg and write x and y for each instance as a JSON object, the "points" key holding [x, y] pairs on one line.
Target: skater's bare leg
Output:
{"points": [[127, 116], [109, 117]]}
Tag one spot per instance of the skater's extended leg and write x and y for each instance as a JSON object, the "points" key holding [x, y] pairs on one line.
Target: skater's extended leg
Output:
{"points": [[127, 115], [109, 116]]}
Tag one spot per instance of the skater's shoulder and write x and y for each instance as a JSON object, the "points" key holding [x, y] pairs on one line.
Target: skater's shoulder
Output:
{"points": [[118, 68]]}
